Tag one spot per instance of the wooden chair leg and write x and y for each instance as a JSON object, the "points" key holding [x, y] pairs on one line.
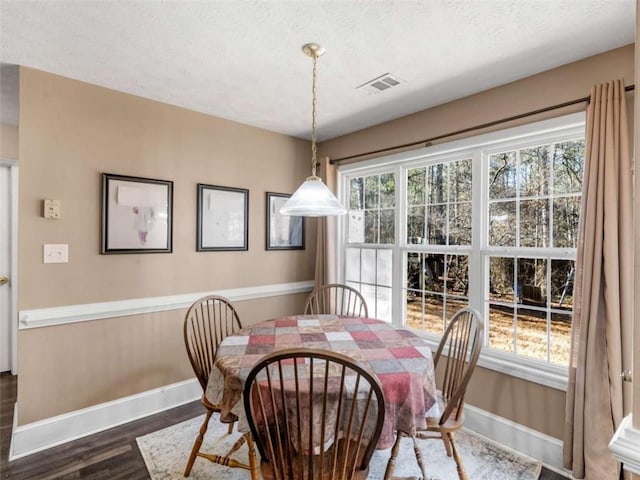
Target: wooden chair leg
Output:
{"points": [[419, 458], [198, 443], [447, 444], [237, 445], [391, 464], [253, 459], [462, 474], [230, 429]]}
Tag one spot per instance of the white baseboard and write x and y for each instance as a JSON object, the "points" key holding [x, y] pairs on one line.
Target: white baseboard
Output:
{"points": [[37, 436], [516, 437]]}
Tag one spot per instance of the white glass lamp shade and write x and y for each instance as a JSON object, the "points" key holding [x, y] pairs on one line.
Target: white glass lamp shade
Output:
{"points": [[313, 199]]}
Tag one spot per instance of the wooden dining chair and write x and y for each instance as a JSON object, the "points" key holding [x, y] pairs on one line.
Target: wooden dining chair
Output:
{"points": [[337, 299], [208, 321], [458, 351], [314, 415]]}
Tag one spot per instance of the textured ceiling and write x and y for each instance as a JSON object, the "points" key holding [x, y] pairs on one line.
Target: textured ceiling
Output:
{"points": [[241, 60]]}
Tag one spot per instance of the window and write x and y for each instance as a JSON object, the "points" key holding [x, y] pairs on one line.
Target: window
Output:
{"points": [[490, 222], [534, 196], [439, 204], [371, 209], [371, 229]]}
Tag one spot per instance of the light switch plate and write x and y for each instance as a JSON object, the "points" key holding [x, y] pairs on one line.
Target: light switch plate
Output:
{"points": [[51, 209], [55, 253]]}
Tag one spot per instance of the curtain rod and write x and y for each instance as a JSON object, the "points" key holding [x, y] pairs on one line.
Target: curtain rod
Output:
{"points": [[427, 141]]}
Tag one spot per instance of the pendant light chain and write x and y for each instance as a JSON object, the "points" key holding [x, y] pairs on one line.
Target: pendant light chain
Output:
{"points": [[314, 93], [313, 198]]}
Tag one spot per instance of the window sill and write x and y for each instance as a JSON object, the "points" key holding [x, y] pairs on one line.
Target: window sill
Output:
{"points": [[553, 376], [625, 445]]}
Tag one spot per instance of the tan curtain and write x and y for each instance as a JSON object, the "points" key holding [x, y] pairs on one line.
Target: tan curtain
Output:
{"points": [[326, 248], [603, 289]]}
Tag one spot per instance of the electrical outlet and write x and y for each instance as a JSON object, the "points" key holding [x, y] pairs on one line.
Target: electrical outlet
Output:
{"points": [[55, 253]]}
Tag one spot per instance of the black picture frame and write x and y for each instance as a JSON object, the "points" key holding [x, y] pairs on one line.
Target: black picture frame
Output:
{"points": [[137, 215], [223, 218], [283, 232]]}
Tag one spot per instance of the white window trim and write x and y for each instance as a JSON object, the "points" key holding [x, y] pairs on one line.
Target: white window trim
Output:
{"points": [[543, 373]]}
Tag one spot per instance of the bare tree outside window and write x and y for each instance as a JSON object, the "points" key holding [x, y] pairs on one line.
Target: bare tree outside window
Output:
{"points": [[503, 240], [531, 299]]}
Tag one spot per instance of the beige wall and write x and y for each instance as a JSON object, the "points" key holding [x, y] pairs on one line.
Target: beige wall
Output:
{"points": [[83, 364], [71, 132], [529, 404], [8, 142], [555, 86]]}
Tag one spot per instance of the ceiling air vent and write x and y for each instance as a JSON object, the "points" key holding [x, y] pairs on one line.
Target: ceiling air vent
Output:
{"points": [[379, 84]]}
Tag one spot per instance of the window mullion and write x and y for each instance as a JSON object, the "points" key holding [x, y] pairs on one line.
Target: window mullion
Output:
{"points": [[549, 270], [551, 194], [479, 220], [398, 292]]}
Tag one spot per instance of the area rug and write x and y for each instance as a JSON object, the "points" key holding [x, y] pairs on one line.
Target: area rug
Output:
{"points": [[165, 453]]}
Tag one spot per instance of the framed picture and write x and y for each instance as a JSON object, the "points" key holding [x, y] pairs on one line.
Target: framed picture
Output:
{"points": [[223, 218], [136, 215], [284, 232]]}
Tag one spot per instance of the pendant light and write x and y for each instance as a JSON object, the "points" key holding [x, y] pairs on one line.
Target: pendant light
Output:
{"points": [[313, 198]]}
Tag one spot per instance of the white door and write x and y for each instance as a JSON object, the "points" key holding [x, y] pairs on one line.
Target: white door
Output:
{"points": [[5, 268]]}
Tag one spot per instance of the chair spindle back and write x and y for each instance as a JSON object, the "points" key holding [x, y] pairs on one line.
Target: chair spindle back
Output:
{"points": [[208, 321], [336, 299], [314, 414], [463, 341]]}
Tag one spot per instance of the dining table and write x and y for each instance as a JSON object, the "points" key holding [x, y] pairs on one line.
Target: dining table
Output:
{"points": [[401, 359]]}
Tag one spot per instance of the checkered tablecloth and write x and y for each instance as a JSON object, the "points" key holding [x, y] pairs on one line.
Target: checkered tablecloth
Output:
{"points": [[400, 359]]}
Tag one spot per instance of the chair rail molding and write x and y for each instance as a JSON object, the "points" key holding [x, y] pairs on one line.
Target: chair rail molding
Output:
{"points": [[45, 317], [625, 445]]}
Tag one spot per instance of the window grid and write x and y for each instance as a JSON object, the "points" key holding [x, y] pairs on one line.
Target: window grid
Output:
{"points": [[480, 247], [449, 173], [376, 286]]}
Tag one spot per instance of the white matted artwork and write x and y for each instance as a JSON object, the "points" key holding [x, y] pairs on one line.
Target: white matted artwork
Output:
{"points": [[136, 214], [284, 232], [223, 218]]}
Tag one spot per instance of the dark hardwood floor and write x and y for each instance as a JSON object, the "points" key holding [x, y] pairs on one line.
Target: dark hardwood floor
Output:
{"points": [[109, 455]]}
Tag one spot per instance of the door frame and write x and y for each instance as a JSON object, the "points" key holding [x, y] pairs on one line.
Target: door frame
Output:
{"points": [[12, 165]]}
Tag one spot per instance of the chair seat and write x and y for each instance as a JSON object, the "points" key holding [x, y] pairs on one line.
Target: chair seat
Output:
{"points": [[433, 424], [224, 418]]}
